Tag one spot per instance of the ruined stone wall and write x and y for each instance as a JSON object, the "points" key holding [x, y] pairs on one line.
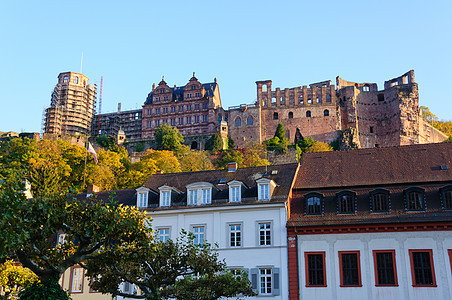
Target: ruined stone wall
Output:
{"points": [[244, 125], [429, 134]]}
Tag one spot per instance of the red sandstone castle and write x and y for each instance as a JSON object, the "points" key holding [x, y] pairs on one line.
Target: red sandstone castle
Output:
{"points": [[359, 114]]}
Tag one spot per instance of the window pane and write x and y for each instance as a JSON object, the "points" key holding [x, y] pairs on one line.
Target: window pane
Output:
{"points": [[385, 268], [315, 269], [448, 199], [380, 202], [415, 201], [422, 268], [346, 204], [313, 206], [350, 272]]}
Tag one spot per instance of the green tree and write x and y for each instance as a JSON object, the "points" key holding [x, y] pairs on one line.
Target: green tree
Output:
{"points": [[191, 161], [168, 138], [93, 228], [280, 132], [14, 277], [279, 142], [177, 269], [229, 156], [214, 143], [255, 156], [311, 145]]}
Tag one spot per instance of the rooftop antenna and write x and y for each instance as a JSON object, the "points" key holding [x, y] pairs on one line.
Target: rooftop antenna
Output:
{"points": [[81, 63], [100, 105]]}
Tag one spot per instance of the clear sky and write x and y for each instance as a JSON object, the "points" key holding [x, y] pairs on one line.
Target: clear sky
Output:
{"points": [[133, 43]]}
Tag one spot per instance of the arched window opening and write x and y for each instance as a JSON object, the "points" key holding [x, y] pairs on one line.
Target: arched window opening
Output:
{"points": [[275, 116], [308, 114], [249, 120], [290, 115], [326, 113], [238, 122]]}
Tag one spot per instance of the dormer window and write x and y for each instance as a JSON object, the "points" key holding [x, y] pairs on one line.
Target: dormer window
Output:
{"points": [[314, 204], [414, 199], [446, 196], [380, 201], [346, 202], [235, 191], [199, 193], [265, 188], [142, 197], [166, 193], [166, 196]]}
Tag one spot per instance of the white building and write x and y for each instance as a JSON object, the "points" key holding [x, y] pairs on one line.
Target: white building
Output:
{"points": [[243, 211]]}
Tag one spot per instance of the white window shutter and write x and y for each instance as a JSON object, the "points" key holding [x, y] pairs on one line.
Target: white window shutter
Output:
{"points": [[254, 278], [276, 289]]}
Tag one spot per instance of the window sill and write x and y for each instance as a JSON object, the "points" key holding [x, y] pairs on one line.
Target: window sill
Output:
{"points": [[316, 286], [357, 285], [424, 285], [386, 285]]}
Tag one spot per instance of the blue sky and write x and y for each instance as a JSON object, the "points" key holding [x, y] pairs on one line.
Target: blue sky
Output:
{"points": [[132, 44]]}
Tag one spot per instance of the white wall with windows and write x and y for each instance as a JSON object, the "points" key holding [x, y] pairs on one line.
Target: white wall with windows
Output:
{"points": [[252, 237], [389, 265]]}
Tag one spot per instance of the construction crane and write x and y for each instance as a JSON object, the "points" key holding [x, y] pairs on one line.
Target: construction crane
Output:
{"points": [[100, 104]]}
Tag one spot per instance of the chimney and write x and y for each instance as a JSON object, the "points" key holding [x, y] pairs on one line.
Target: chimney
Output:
{"points": [[232, 167], [159, 172], [119, 107], [92, 189], [153, 86]]}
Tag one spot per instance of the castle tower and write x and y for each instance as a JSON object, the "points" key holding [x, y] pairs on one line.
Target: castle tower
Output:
{"points": [[72, 106]]}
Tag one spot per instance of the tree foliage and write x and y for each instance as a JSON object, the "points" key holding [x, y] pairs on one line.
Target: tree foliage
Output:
{"points": [[14, 277], [168, 138], [214, 143], [157, 270], [93, 228], [279, 142]]}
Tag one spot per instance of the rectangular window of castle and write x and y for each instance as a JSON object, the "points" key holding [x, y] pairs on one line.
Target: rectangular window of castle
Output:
{"points": [[196, 119], [188, 120], [165, 121], [196, 106], [149, 111], [173, 109], [173, 122], [204, 119], [204, 106], [181, 108], [157, 111], [189, 107], [181, 121], [149, 124]]}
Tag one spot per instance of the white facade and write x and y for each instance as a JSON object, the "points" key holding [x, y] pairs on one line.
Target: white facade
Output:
{"points": [[219, 222], [439, 242]]}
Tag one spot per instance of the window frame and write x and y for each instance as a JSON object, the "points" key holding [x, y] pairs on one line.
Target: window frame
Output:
{"points": [[341, 273], [229, 234], [268, 276], [432, 267], [270, 230], [71, 280], [164, 228], [375, 192], [249, 120], [443, 191], [238, 122], [394, 265], [192, 230], [338, 200], [406, 192], [311, 195], [306, 260]]}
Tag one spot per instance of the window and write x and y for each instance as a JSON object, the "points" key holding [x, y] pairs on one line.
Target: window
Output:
{"points": [[181, 108], [196, 119], [371, 129], [380, 201], [173, 109], [76, 280], [275, 116], [66, 79], [290, 115], [381, 97], [346, 203], [235, 235], [188, 120], [204, 119], [173, 122], [199, 233], [204, 106], [157, 123], [166, 198], [385, 267], [192, 197], [206, 199], [446, 197], [189, 107], [265, 281], [249, 120], [315, 269], [326, 113], [165, 110], [156, 99], [238, 122], [163, 234], [61, 239], [265, 234], [166, 98], [196, 106], [308, 114], [76, 79], [235, 194], [414, 199], [264, 192], [350, 269], [366, 88], [181, 121], [314, 204], [157, 110], [149, 111], [422, 269], [142, 200], [198, 94]]}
